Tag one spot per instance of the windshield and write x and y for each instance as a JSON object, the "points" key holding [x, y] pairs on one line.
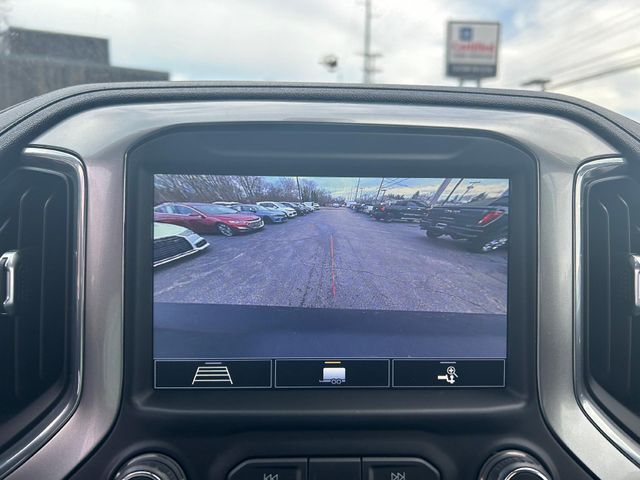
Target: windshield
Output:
{"points": [[214, 209], [583, 48]]}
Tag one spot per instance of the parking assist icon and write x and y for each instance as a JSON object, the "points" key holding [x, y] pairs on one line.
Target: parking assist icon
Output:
{"points": [[212, 372]]}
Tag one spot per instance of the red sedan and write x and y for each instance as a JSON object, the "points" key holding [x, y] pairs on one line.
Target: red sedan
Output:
{"points": [[204, 218]]}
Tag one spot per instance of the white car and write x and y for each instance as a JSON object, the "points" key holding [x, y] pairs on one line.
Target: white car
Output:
{"points": [[171, 242], [290, 212], [313, 205]]}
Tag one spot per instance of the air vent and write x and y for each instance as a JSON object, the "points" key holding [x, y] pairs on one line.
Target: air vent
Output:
{"points": [[37, 232], [612, 328]]}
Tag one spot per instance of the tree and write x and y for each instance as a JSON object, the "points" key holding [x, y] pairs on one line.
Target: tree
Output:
{"points": [[253, 187], [288, 189]]}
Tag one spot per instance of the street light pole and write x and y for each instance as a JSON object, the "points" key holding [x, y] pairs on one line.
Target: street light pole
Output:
{"points": [[537, 82], [369, 57], [367, 42]]}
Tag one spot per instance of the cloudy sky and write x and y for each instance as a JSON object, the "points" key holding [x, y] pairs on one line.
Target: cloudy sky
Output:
{"points": [[346, 186], [284, 39]]}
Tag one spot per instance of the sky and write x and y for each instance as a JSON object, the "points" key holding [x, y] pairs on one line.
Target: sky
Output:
{"points": [[345, 187], [284, 40]]}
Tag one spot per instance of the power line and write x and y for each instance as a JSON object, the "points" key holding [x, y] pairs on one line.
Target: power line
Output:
{"points": [[553, 13], [397, 181], [624, 18], [606, 32], [603, 73], [586, 39], [586, 62]]}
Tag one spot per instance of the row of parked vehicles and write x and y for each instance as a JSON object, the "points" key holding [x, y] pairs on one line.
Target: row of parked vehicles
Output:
{"points": [[483, 224], [178, 226]]}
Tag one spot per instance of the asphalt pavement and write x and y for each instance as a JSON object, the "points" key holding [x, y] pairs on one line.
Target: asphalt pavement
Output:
{"points": [[339, 259]]}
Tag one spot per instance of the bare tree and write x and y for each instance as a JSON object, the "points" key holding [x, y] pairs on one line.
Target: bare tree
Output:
{"points": [[237, 188]]}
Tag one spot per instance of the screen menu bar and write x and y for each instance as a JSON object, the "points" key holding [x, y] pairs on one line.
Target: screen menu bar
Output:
{"points": [[329, 373]]}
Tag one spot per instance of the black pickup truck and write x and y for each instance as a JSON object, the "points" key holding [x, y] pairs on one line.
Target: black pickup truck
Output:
{"points": [[485, 227], [400, 210]]}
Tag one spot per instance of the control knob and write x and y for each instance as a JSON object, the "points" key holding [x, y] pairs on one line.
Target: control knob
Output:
{"points": [[513, 465], [150, 466]]}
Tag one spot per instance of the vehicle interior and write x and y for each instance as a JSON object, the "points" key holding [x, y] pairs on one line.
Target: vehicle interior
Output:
{"points": [[485, 331]]}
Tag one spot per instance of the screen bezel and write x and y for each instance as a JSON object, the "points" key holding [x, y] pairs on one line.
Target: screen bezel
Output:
{"points": [[458, 153]]}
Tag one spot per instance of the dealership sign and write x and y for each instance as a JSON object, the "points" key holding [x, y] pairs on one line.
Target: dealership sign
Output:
{"points": [[472, 49]]}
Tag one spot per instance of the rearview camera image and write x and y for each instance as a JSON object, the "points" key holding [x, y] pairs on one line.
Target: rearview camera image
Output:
{"points": [[317, 267]]}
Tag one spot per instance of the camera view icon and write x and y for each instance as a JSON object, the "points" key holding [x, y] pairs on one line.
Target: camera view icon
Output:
{"points": [[334, 375]]}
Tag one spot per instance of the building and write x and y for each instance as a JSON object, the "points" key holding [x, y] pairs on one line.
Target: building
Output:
{"points": [[34, 62]]}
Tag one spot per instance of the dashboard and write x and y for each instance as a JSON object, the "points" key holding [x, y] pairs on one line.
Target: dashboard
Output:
{"points": [[312, 282]]}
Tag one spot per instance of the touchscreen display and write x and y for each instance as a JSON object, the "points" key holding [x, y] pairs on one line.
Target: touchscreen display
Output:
{"points": [[328, 282]]}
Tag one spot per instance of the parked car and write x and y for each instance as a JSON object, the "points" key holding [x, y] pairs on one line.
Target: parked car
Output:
{"points": [[290, 212], [485, 227], [227, 204], [299, 210], [412, 210], [313, 205], [207, 218], [171, 242], [364, 208], [307, 208], [268, 215], [335, 205]]}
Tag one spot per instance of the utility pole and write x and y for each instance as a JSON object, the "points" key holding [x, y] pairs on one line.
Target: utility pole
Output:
{"points": [[299, 191], [379, 188], [369, 57], [443, 186], [355, 199]]}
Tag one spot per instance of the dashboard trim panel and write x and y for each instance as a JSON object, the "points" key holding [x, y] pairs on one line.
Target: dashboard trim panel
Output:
{"points": [[40, 434], [558, 159], [590, 171]]}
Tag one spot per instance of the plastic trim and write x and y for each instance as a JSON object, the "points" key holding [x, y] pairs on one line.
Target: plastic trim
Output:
{"points": [[617, 436], [9, 262], [558, 154], [31, 442]]}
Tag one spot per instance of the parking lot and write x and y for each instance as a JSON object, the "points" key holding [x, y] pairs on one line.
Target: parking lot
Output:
{"points": [[337, 258]]}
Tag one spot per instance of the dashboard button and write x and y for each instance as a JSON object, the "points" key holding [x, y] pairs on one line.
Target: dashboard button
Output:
{"points": [[271, 469], [334, 373], [513, 465], [150, 466], [420, 373], [209, 374], [335, 469], [382, 468]]}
